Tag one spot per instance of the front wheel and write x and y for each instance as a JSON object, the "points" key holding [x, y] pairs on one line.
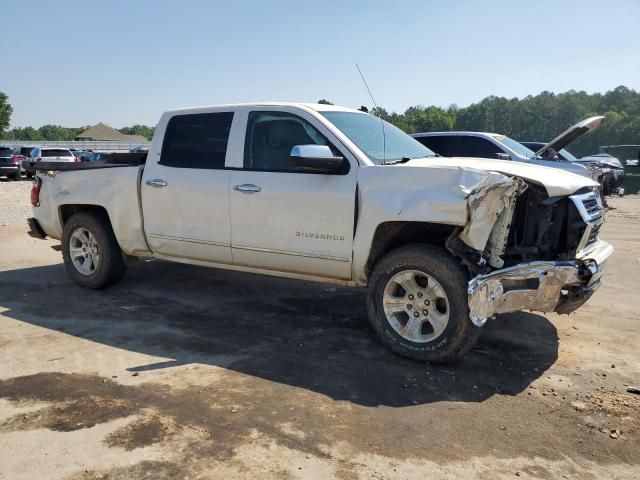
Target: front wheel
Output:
{"points": [[417, 303], [92, 256]]}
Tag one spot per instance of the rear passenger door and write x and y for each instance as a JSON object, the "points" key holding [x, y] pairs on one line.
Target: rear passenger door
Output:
{"points": [[184, 189]]}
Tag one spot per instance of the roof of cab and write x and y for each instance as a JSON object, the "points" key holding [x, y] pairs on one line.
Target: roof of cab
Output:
{"points": [[318, 107]]}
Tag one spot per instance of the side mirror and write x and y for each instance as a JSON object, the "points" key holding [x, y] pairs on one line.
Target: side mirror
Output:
{"points": [[318, 159], [503, 156]]}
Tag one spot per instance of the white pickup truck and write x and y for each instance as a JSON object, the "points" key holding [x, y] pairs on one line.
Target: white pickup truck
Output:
{"points": [[320, 192]]}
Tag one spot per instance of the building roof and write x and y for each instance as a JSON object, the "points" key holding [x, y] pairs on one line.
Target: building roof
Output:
{"points": [[103, 132]]}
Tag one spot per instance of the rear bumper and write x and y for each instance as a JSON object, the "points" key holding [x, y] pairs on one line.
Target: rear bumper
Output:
{"points": [[560, 286], [8, 169], [35, 230]]}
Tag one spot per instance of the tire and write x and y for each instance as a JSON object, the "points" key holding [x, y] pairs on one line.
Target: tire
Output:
{"points": [[109, 267], [16, 177], [432, 341], [29, 175]]}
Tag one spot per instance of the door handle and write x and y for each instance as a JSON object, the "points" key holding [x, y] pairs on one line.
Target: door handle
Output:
{"points": [[247, 188], [157, 183]]}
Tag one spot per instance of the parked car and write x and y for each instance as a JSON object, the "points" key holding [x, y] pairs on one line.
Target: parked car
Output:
{"points": [[21, 156], [610, 168], [494, 145], [9, 166], [320, 192], [47, 154], [98, 156], [23, 151], [52, 154], [84, 155], [139, 150], [76, 153]]}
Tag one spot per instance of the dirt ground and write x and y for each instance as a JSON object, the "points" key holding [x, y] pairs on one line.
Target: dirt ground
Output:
{"points": [[187, 372]]}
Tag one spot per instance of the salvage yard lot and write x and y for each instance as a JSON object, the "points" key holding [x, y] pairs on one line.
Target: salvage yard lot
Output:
{"points": [[187, 372]]}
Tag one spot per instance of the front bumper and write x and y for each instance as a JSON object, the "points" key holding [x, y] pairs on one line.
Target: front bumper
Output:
{"points": [[560, 286]]}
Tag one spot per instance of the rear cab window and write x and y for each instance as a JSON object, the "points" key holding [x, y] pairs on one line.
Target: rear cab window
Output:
{"points": [[197, 140], [56, 152]]}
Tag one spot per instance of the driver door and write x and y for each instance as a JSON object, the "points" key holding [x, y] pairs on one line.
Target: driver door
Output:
{"points": [[285, 218]]}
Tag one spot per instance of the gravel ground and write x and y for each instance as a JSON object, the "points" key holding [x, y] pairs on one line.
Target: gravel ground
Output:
{"points": [[14, 198]]}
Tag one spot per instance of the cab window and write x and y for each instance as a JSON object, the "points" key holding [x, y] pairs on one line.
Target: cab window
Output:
{"points": [[196, 140], [271, 136]]}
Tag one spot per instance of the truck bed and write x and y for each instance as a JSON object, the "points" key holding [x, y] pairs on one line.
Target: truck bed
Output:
{"points": [[113, 187], [112, 161]]}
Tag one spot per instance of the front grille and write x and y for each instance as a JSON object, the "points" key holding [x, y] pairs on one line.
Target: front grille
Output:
{"points": [[592, 213], [593, 207], [593, 235], [6, 161]]}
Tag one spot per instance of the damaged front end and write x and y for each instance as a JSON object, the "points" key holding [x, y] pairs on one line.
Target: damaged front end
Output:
{"points": [[529, 251], [559, 287]]}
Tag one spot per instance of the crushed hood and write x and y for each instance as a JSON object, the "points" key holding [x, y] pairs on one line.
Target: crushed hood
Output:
{"points": [[569, 135], [557, 182]]}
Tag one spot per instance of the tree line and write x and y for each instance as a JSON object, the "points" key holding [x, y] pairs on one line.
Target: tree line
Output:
{"points": [[57, 132], [535, 117], [52, 132]]}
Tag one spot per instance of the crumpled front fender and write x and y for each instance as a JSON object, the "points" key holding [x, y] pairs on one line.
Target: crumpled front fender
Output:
{"points": [[486, 201]]}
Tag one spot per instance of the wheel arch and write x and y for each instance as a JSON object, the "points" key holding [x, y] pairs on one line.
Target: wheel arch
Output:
{"points": [[124, 224], [65, 212], [394, 234]]}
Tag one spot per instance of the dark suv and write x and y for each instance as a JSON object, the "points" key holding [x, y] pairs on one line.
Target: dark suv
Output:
{"points": [[9, 166]]}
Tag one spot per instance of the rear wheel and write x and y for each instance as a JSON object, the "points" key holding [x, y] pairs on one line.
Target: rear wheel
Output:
{"points": [[418, 306], [91, 253]]}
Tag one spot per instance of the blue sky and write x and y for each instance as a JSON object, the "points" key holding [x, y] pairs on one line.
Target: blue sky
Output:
{"points": [[123, 62]]}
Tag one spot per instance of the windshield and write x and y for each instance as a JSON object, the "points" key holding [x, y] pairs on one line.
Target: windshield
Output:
{"points": [[563, 154], [379, 140], [567, 155], [5, 152], [517, 147]]}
